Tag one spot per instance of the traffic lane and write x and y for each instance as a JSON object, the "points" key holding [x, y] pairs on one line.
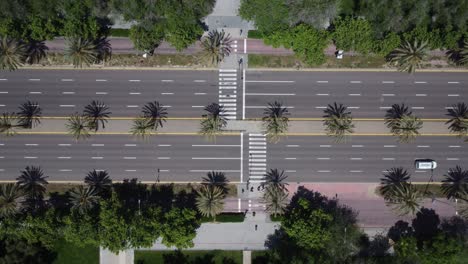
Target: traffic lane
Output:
{"points": [[335, 77], [183, 156], [362, 158]]}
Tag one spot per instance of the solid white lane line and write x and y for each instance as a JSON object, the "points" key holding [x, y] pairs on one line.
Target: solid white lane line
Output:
{"points": [[34, 92], [271, 81], [64, 145], [164, 145], [68, 92], [97, 157], [354, 94], [453, 95], [453, 159], [388, 82], [134, 93], [101, 80], [199, 93], [417, 107], [323, 158], [323, 171], [67, 80], [242, 159], [454, 146], [167, 93], [216, 145], [453, 82], [421, 94], [199, 81], [292, 146], [30, 157], [424, 146], [101, 92], [167, 80], [214, 158], [325, 146], [388, 94], [63, 157], [132, 106], [389, 146], [272, 94], [134, 80], [322, 81], [97, 145], [165, 158], [67, 105], [420, 82], [357, 146], [132, 158], [130, 145]]}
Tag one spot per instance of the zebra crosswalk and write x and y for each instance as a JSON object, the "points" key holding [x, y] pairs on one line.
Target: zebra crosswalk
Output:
{"points": [[257, 157], [228, 92]]}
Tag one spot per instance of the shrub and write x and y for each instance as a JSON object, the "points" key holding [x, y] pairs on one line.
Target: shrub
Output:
{"points": [[353, 34]]}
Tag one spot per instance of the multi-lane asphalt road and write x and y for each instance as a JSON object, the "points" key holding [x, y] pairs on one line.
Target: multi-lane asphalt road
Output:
{"points": [[188, 158], [185, 93]]}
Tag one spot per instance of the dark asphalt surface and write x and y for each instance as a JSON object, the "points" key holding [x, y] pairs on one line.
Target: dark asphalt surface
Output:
{"points": [[188, 158], [63, 92]]}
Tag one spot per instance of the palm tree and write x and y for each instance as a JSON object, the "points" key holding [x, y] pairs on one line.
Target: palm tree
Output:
{"points": [[458, 119], [455, 184], [407, 128], [36, 51], [7, 127], [406, 199], [275, 179], [9, 195], [141, 128], [209, 201], [393, 178], [216, 46], [12, 54], [29, 115], [276, 200], [216, 179], [81, 51], [155, 114], [458, 56], [104, 49], [33, 182], [83, 198], [394, 114], [213, 123], [409, 56], [338, 121], [99, 181], [275, 120], [77, 126], [97, 113], [464, 52]]}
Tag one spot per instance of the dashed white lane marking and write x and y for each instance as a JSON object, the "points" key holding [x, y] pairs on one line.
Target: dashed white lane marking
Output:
{"points": [[64, 145], [97, 145], [355, 82], [354, 94], [167, 106], [101, 93], [65, 170], [322, 94], [453, 82], [199, 81], [453, 95], [129, 158], [325, 146], [167, 80], [2, 144], [130, 145], [389, 146], [134, 80], [322, 81], [34, 145], [2, 105], [164, 145], [420, 171], [388, 158], [453, 159], [454, 146], [323, 158], [97, 157], [67, 80], [167, 93], [421, 94], [290, 171], [214, 158], [357, 146], [132, 106], [272, 94], [35, 92], [34, 80], [198, 106], [28, 157], [323, 171], [419, 82], [355, 158], [424, 146], [355, 171], [353, 107], [164, 158], [67, 105], [292, 146], [68, 92], [388, 94], [63, 157], [101, 80], [271, 81], [288, 159], [388, 82], [417, 107], [130, 170], [320, 107], [199, 93], [3, 79], [3, 92], [385, 107], [134, 93], [448, 107]]}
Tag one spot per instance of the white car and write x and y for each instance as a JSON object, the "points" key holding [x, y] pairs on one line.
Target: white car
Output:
{"points": [[425, 164]]}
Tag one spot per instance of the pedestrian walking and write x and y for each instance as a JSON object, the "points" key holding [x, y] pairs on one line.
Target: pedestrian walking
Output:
{"points": [[256, 226], [251, 189], [258, 188], [241, 31], [253, 214], [242, 190]]}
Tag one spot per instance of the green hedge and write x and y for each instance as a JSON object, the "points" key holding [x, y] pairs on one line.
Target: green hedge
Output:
{"points": [[226, 218], [254, 34], [119, 32]]}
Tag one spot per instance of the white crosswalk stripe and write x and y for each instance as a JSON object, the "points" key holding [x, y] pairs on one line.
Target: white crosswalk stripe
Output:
{"points": [[227, 92], [257, 157]]}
